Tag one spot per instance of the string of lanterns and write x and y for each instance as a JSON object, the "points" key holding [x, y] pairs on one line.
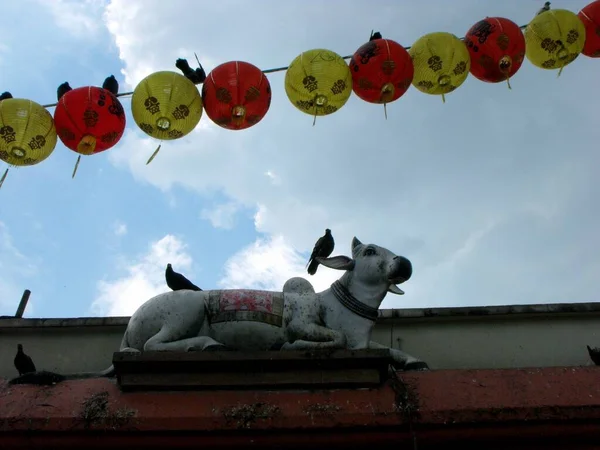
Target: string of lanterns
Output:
{"points": [[236, 95]]}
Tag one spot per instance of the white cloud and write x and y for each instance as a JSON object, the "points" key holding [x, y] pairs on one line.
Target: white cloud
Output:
{"points": [[466, 189], [143, 278], [120, 228], [221, 216], [80, 18], [275, 179], [16, 269], [138, 26], [268, 263]]}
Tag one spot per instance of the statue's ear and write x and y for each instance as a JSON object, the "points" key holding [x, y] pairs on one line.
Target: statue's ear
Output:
{"points": [[395, 290], [337, 262]]}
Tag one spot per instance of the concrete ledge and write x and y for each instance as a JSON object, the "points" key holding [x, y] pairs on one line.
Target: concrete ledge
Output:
{"points": [[274, 370], [12, 322], [485, 407], [385, 315], [482, 311]]}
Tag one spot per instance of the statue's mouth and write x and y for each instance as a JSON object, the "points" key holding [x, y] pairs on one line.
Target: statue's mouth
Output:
{"points": [[397, 280], [395, 289]]}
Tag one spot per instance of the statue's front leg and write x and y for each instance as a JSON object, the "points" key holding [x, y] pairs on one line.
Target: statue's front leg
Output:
{"points": [[403, 360], [308, 336]]}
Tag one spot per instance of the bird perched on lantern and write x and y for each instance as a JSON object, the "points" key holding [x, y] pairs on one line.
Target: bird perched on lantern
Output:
{"points": [[236, 95], [62, 90], [318, 82], [497, 49], [441, 62], [196, 76], [590, 17], [27, 133], [166, 105], [554, 39], [382, 71], [89, 120], [544, 8], [111, 85]]}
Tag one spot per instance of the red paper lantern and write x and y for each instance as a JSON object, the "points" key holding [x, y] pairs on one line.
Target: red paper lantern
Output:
{"points": [[497, 49], [89, 120], [382, 71], [590, 16], [236, 95]]}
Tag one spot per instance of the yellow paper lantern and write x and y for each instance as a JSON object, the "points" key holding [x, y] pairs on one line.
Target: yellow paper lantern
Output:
{"points": [[441, 62], [318, 82], [166, 106], [27, 133], [554, 39]]}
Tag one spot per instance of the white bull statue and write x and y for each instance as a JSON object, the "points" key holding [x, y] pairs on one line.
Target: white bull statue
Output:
{"points": [[341, 317]]}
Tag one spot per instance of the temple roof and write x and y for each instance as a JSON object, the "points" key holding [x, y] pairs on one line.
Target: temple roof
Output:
{"points": [[437, 406]]}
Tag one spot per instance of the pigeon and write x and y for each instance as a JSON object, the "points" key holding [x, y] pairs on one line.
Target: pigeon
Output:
{"points": [[376, 35], [196, 76], [594, 355], [545, 8], [111, 85], [23, 363], [323, 248], [177, 282], [5, 95], [62, 90]]}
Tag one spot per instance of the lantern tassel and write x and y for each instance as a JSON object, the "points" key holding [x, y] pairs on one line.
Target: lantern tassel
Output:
{"points": [[443, 98], [76, 166], [385, 110], [560, 71], [508, 83], [153, 154], [315, 117], [87, 145], [3, 177]]}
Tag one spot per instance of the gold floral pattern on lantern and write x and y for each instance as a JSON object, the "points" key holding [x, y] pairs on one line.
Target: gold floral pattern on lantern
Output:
{"points": [[554, 39], [27, 132], [441, 63], [163, 100], [318, 82]]}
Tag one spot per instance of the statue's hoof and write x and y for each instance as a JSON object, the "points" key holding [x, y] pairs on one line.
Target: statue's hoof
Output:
{"points": [[415, 365]]}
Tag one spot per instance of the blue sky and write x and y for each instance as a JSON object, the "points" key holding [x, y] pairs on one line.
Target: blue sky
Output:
{"points": [[493, 195]]}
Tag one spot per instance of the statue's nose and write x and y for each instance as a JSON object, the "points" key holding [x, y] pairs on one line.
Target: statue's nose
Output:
{"points": [[403, 268]]}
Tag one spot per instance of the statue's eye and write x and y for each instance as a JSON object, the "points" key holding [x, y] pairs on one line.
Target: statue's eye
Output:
{"points": [[370, 252]]}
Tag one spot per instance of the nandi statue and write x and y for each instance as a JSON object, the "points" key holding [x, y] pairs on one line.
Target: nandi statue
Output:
{"points": [[298, 318], [340, 317]]}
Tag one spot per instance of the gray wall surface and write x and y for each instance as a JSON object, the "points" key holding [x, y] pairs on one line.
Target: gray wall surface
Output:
{"points": [[447, 338]]}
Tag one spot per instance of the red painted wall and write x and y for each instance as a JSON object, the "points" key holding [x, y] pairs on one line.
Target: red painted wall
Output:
{"points": [[484, 409]]}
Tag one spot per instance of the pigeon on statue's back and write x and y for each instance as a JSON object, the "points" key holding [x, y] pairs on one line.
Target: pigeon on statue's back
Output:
{"points": [[178, 282]]}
